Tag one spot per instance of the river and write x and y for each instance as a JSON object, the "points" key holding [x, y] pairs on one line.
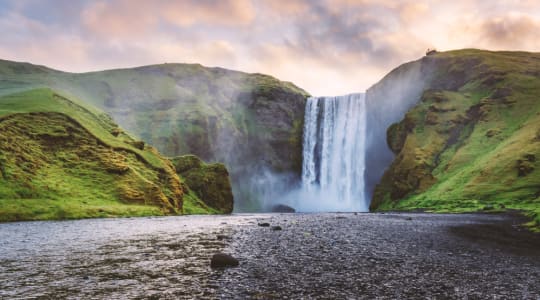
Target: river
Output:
{"points": [[330, 255]]}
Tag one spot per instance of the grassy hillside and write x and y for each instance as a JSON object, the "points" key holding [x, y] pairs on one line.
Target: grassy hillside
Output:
{"points": [[62, 159], [250, 122], [472, 142]]}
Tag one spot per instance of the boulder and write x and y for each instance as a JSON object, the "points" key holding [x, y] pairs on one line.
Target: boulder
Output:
{"points": [[221, 237], [282, 208], [222, 260]]}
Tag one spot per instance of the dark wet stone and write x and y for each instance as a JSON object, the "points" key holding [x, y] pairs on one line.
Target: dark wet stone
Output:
{"points": [[264, 224], [222, 260], [276, 228], [408, 219], [282, 208], [222, 237]]}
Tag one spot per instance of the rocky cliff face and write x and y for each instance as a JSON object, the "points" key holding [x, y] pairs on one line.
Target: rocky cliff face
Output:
{"points": [[470, 136], [251, 122]]}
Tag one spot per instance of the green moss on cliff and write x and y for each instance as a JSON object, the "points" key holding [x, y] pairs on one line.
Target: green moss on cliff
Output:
{"points": [[471, 142], [60, 160], [220, 115], [209, 182], [193, 205]]}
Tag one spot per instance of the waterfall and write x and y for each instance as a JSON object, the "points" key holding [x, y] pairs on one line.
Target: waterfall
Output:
{"points": [[334, 154]]}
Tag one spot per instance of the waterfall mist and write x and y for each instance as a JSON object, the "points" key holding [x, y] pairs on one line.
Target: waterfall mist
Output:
{"points": [[387, 102], [333, 155]]}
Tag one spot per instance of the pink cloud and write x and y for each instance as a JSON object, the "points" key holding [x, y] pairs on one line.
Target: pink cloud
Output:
{"points": [[324, 46], [223, 12], [515, 30], [133, 18], [122, 18]]}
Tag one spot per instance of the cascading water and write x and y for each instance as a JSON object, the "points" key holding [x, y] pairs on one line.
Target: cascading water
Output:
{"points": [[334, 154]]}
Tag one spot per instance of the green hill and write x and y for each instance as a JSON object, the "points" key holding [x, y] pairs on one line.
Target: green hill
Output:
{"points": [[251, 122], [61, 159], [472, 140]]}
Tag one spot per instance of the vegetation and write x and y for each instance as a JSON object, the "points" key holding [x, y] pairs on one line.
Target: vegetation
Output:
{"points": [[472, 143], [61, 159], [219, 115], [209, 182]]}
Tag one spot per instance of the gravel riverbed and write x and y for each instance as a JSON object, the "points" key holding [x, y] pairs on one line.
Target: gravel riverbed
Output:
{"points": [[326, 256]]}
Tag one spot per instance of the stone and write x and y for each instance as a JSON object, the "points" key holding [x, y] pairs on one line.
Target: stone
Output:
{"points": [[275, 228], [223, 260], [282, 208], [264, 224], [222, 237]]}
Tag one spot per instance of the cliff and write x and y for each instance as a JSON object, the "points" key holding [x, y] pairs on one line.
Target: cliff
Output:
{"points": [[250, 122], [470, 136], [63, 159]]}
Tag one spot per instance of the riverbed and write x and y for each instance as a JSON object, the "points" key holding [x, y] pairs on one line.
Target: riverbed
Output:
{"points": [[329, 255]]}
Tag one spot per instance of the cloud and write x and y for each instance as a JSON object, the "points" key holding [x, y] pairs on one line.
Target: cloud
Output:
{"points": [[516, 30], [410, 12], [286, 7], [324, 46], [25, 39], [134, 18], [217, 12], [118, 19]]}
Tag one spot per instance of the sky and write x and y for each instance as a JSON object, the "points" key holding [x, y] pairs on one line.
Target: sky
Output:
{"points": [[327, 47]]}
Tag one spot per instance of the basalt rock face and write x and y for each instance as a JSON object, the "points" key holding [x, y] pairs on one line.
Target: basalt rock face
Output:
{"points": [[251, 122], [209, 181], [468, 135]]}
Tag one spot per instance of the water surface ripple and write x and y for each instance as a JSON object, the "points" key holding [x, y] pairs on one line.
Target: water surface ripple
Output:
{"points": [[332, 255]]}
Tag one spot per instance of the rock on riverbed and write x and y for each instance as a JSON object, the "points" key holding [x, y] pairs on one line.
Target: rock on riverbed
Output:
{"points": [[222, 260]]}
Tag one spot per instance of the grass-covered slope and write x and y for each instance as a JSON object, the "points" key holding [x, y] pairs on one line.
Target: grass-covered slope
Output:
{"points": [[62, 159], [250, 122], [472, 142]]}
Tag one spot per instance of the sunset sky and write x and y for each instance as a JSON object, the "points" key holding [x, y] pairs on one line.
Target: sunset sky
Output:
{"points": [[326, 47]]}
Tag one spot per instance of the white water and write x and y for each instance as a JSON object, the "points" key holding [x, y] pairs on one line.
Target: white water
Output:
{"points": [[334, 154]]}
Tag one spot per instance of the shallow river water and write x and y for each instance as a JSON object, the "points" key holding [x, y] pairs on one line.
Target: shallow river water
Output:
{"points": [[332, 255]]}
